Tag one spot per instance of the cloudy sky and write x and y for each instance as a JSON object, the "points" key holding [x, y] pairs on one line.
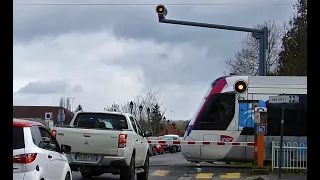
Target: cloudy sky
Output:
{"points": [[100, 54]]}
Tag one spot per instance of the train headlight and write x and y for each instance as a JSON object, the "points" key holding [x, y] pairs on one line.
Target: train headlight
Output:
{"points": [[161, 11], [240, 87]]}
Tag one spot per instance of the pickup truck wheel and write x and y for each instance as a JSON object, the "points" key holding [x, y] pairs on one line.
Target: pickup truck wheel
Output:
{"points": [[144, 175], [128, 173], [86, 174]]}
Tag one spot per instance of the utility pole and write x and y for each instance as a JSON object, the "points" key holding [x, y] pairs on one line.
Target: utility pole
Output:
{"points": [[260, 34]]}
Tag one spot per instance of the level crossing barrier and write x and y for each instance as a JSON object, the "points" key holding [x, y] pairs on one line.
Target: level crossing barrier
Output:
{"points": [[212, 143], [294, 155]]}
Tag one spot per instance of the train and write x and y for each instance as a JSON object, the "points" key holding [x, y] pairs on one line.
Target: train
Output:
{"points": [[226, 113]]}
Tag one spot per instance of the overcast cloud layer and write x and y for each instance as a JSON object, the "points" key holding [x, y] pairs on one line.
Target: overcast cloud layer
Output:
{"points": [[101, 54]]}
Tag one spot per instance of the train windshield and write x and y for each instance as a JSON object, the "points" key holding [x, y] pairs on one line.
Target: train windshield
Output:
{"points": [[201, 103], [217, 112]]}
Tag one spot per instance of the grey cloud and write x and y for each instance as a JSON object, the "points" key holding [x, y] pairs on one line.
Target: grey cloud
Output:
{"points": [[49, 87], [40, 87], [192, 67], [77, 89], [141, 23]]}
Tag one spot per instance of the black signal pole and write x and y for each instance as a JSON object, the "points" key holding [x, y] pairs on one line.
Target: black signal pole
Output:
{"points": [[260, 34]]}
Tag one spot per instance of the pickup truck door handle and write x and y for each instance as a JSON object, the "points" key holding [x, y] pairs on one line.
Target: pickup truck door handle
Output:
{"points": [[137, 139], [49, 156]]}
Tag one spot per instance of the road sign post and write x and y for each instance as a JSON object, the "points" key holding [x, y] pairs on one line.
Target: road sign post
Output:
{"points": [[283, 100]]}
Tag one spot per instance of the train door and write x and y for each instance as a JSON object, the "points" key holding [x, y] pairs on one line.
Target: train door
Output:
{"points": [[206, 150]]}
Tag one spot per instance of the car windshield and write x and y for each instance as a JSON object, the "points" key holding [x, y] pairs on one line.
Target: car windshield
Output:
{"points": [[101, 121], [18, 138], [167, 138]]}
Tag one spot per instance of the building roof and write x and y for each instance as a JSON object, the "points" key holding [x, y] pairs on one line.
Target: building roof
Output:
{"points": [[25, 123], [21, 112], [171, 130]]}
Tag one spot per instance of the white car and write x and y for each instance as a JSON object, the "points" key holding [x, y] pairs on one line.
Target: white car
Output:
{"points": [[36, 153]]}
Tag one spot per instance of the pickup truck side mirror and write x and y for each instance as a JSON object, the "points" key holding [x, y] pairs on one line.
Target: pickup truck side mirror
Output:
{"points": [[147, 133], [65, 148]]}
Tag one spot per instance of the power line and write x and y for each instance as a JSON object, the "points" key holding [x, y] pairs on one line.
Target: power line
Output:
{"points": [[145, 4]]}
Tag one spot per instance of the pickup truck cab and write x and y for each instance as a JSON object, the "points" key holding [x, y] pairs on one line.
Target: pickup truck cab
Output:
{"points": [[105, 142]]}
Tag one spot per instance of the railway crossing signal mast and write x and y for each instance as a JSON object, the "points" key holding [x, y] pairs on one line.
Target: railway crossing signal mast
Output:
{"points": [[260, 121], [260, 34]]}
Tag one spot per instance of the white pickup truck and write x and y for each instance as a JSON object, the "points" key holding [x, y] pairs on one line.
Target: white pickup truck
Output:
{"points": [[105, 142]]}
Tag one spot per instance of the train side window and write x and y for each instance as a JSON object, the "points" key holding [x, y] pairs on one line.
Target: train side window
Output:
{"points": [[217, 113], [295, 118]]}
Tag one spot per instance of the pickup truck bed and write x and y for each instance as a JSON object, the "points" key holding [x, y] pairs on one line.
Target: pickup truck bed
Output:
{"points": [[88, 141]]}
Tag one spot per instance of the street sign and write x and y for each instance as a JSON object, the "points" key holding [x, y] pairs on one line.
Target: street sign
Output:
{"points": [[260, 109], [260, 115], [48, 115], [261, 128], [284, 99]]}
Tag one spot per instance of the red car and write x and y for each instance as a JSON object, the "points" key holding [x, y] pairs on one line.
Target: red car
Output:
{"points": [[159, 149]]}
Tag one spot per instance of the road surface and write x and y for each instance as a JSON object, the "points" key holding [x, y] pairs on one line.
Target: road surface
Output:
{"points": [[174, 167]]}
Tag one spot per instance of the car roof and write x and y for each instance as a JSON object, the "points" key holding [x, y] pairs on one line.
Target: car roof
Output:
{"points": [[107, 112], [25, 123]]}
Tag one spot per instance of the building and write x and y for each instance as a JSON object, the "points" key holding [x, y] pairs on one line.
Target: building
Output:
{"points": [[171, 129], [37, 113]]}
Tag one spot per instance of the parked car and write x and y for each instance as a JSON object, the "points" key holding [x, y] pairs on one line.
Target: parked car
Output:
{"points": [[159, 149], [170, 147], [106, 142], [175, 138], [152, 150], [36, 151]]}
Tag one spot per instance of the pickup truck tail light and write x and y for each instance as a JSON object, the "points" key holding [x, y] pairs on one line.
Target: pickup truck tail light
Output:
{"points": [[25, 158], [122, 141], [54, 133]]}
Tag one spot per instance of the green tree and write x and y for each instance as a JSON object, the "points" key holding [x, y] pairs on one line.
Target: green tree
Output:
{"points": [[79, 108], [293, 57], [156, 117]]}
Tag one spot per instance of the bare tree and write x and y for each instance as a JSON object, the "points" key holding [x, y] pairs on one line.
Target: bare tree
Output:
{"points": [[61, 102], [149, 100], [113, 107], [246, 60], [68, 104]]}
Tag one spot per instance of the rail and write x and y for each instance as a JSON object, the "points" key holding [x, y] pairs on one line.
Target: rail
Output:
{"points": [[294, 155]]}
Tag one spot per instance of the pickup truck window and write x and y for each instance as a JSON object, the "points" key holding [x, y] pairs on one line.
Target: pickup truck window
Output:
{"points": [[100, 121], [139, 128], [134, 125]]}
